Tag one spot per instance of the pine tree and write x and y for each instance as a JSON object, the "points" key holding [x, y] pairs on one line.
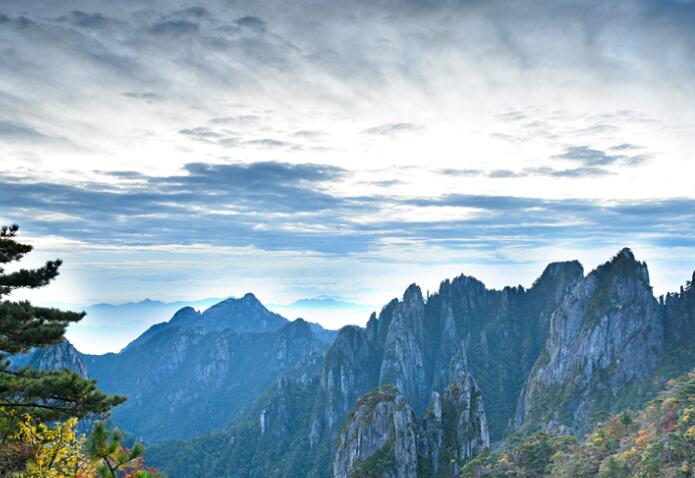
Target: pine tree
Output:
{"points": [[49, 395]]}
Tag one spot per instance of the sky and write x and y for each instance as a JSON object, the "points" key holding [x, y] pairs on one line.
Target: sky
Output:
{"points": [[180, 150]]}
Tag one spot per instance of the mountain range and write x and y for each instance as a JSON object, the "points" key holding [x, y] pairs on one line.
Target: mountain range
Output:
{"points": [[430, 382], [111, 327]]}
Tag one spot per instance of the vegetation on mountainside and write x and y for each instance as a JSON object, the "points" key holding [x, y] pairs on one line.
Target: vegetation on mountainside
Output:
{"points": [[378, 463], [657, 442], [246, 452]]}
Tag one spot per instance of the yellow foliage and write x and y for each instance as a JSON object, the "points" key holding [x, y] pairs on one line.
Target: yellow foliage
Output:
{"points": [[642, 439], [629, 454], [54, 451]]}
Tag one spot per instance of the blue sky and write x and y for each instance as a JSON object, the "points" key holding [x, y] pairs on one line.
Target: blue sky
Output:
{"points": [[186, 150]]}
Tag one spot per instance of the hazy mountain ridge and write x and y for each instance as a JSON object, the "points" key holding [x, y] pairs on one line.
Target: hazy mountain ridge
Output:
{"points": [[196, 372], [122, 324], [552, 357], [502, 338]]}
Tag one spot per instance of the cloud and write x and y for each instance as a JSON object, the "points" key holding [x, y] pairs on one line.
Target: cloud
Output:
{"points": [[86, 20], [269, 204], [247, 119], [624, 147], [538, 104], [230, 139], [504, 173], [224, 138], [146, 96], [270, 143], [392, 129], [10, 131], [583, 172], [462, 172], [308, 134], [175, 28], [251, 23], [592, 158], [279, 206], [544, 171], [589, 156]]}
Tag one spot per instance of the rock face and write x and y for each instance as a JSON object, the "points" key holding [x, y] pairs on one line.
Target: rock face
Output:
{"points": [[606, 334], [383, 438], [55, 357], [454, 429], [59, 357], [403, 363], [380, 439], [419, 346]]}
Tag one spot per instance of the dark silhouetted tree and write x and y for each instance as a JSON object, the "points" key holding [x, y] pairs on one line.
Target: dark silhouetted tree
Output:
{"points": [[49, 395]]}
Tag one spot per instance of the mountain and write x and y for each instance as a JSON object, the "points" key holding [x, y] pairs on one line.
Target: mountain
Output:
{"points": [[57, 357], [322, 302], [606, 336], [196, 372], [110, 327], [558, 356], [245, 315], [333, 311], [418, 346]]}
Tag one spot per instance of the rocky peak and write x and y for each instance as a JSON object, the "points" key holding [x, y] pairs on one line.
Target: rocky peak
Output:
{"points": [[379, 439], [625, 265], [383, 438], [58, 357], [625, 254], [185, 316], [413, 295], [249, 299], [569, 271], [607, 333], [404, 361], [242, 315]]}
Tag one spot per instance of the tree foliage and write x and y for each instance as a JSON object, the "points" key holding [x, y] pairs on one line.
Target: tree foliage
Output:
{"points": [[56, 451], [40, 409], [657, 442], [50, 395], [116, 461]]}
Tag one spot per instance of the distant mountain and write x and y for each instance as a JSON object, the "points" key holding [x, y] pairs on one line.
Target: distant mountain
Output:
{"points": [[111, 327], [558, 356], [115, 325], [331, 311], [321, 302], [198, 371], [245, 315]]}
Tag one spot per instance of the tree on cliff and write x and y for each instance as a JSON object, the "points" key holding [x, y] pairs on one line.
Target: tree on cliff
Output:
{"points": [[48, 395]]}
